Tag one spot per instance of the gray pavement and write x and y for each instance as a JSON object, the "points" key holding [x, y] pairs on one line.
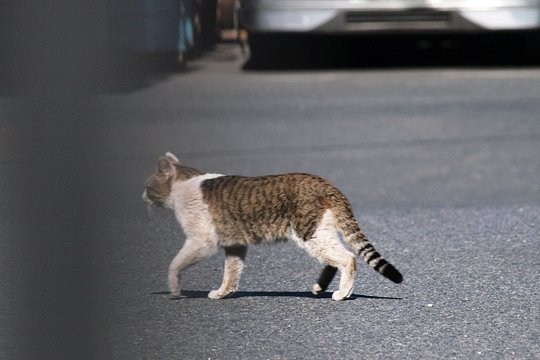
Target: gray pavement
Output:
{"points": [[441, 165]]}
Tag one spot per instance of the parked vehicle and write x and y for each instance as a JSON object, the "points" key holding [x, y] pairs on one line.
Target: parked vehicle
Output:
{"points": [[270, 22], [335, 16]]}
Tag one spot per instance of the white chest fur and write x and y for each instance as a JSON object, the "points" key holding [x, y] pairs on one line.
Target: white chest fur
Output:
{"points": [[190, 209]]}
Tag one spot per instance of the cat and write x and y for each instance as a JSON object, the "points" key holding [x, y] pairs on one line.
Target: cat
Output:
{"points": [[233, 212]]}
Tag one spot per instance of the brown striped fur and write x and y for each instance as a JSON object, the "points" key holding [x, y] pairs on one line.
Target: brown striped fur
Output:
{"points": [[233, 212]]}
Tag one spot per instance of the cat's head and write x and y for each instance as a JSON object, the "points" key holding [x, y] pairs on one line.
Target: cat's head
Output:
{"points": [[159, 185]]}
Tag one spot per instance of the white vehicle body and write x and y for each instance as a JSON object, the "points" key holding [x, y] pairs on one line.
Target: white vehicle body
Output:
{"points": [[394, 16]]}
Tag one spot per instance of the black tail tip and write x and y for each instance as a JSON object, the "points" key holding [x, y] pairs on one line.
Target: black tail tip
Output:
{"points": [[390, 272]]}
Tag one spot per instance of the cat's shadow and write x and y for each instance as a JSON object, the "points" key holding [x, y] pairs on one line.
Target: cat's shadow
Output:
{"points": [[197, 294]]}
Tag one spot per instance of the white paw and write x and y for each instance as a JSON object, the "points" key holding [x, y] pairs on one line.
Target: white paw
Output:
{"points": [[339, 296], [175, 294], [174, 286], [221, 294], [215, 294], [317, 289]]}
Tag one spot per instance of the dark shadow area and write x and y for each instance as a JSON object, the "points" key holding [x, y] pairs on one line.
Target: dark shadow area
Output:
{"points": [[116, 73], [197, 294], [135, 72], [65, 49], [298, 52]]}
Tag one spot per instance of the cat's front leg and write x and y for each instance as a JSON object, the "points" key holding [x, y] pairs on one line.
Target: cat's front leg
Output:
{"points": [[193, 251], [234, 264]]}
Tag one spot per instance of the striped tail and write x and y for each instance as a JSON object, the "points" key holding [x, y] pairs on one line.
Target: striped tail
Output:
{"points": [[348, 226], [367, 251], [362, 247]]}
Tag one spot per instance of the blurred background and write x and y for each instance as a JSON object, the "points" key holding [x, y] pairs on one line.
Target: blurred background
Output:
{"points": [[89, 47], [425, 114]]}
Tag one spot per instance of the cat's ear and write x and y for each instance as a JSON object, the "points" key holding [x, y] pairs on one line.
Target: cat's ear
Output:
{"points": [[173, 158], [166, 166]]}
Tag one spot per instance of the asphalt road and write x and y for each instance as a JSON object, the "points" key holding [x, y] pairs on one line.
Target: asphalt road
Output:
{"points": [[441, 165]]}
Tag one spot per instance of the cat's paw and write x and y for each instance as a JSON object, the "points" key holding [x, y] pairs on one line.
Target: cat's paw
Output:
{"points": [[317, 289], [175, 295], [174, 290], [218, 294], [339, 296]]}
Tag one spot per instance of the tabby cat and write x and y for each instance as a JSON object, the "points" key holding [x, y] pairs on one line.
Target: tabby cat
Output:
{"points": [[233, 212]]}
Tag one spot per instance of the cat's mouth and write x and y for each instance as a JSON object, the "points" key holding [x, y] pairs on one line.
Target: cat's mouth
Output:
{"points": [[152, 203], [147, 200]]}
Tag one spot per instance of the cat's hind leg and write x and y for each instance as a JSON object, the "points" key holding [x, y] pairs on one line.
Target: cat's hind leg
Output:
{"points": [[192, 252], [234, 264], [327, 275], [335, 255], [326, 246]]}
